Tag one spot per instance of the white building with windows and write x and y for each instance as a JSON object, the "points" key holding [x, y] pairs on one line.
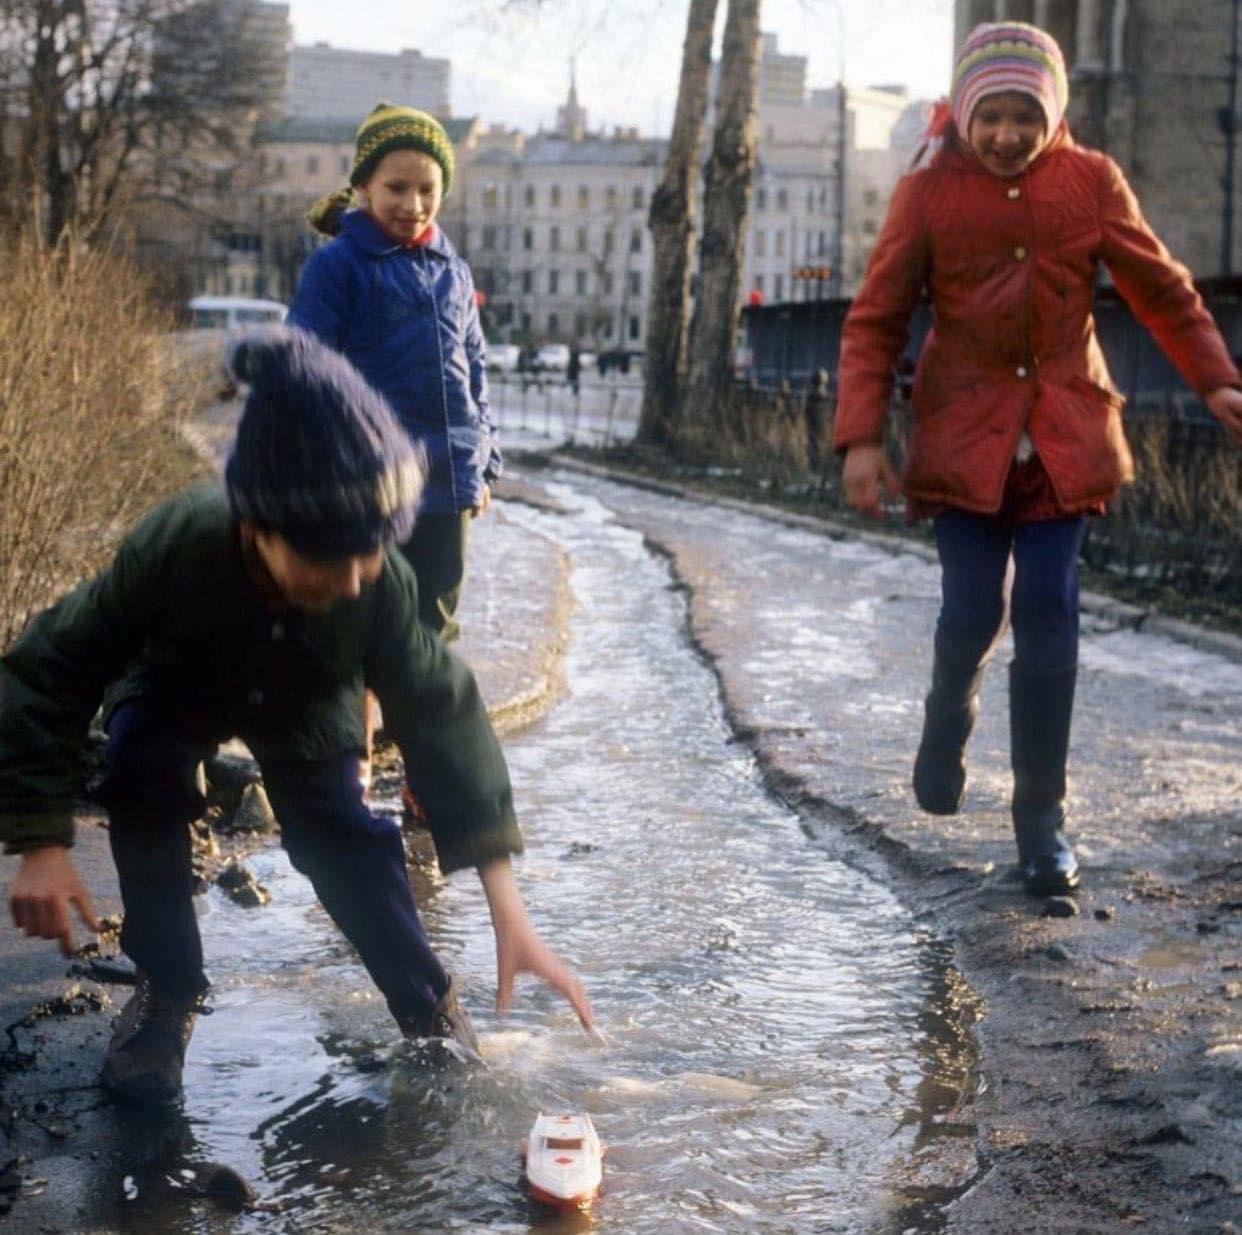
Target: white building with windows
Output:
{"points": [[334, 83]]}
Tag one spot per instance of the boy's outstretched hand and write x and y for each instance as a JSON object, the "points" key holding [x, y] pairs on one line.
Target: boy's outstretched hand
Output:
{"points": [[1225, 403], [867, 479], [519, 949], [45, 886]]}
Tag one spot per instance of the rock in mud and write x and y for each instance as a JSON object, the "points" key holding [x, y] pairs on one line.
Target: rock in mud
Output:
{"points": [[254, 812], [225, 1186], [242, 886], [1106, 914], [1059, 907]]}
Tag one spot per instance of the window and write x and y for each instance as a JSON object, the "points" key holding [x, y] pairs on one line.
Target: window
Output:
{"points": [[780, 244], [605, 282], [584, 197], [343, 163], [491, 198], [635, 328], [608, 240], [606, 323], [823, 247], [761, 199], [637, 197], [580, 325], [280, 166], [524, 319], [778, 290], [312, 165], [810, 200], [554, 239], [554, 323], [868, 227], [761, 244], [554, 196], [528, 281], [759, 284], [489, 236], [529, 196], [635, 283], [871, 197], [580, 282], [580, 240], [782, 199], [528, 239], [554, 282], [636, 240], [610, 197]]}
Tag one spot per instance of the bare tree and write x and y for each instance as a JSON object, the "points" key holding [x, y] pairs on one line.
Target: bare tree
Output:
{"points": [[120, 97], [726, 205], [673, 219]]}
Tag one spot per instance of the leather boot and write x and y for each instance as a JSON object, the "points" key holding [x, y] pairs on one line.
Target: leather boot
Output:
{"points": [[147, 1051], [1040, 708], [447, 1022], [949, 714]]}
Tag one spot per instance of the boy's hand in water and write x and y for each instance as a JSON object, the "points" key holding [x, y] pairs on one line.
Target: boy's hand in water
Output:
{"points": [[45, 886], [867, 479], [1225, 404], [519, 949]]}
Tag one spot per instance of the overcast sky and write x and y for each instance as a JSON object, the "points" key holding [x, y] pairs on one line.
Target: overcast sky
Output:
{"points": [[511, 57]]}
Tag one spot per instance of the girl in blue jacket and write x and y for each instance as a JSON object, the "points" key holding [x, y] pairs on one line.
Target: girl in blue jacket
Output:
{"points": [[391, 293]]}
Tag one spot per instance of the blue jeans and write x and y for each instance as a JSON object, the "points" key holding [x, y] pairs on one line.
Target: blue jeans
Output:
{"points": [[354, 859], [994, 574]]}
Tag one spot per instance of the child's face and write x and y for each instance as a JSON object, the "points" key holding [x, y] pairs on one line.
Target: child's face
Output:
{"points": [[311, 584], [404, 192], [1007, 132]]}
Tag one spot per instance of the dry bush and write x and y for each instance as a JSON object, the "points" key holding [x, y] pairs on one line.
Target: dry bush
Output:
{"points": [[91, 396]]}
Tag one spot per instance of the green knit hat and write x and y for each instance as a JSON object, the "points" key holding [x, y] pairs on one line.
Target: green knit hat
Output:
{"points": [[386, 128]]}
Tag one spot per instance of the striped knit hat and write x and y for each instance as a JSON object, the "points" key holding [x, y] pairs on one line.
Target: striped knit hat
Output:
{"points": [[386, 128], [1009, 55], [319, 457]]}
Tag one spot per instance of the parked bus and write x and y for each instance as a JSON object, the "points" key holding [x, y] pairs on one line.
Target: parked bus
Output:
{"points": [[230, 312]]}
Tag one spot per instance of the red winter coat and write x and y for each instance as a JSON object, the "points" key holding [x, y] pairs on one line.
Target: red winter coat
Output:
{"points": [[1010, 265]]}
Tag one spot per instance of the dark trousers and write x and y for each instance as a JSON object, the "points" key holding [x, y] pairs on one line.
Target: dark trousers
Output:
{"points": [[1038, 596], [354, 860], [437, 551]]}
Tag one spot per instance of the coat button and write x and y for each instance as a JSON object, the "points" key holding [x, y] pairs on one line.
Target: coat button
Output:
{"points": [[255, 698], [1013, 193], [1021, 370], [278, 631], [1019, 252]]}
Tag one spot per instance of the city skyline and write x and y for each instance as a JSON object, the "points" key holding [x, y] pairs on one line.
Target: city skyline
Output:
{"points": [[627, 53]]}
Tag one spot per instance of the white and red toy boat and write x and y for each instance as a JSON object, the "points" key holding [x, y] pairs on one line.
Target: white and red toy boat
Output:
{"points": [[564, 1161]]}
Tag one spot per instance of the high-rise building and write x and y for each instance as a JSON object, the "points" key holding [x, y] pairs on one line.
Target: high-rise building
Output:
{"points": [[333, 83]]}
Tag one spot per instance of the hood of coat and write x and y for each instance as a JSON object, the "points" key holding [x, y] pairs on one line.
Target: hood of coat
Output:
{"points": [[958, 156], [362, 231]]}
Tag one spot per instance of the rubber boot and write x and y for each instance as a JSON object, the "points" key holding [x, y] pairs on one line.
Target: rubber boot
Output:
{"points": [[147, 1051], [1040, 708], [447, 1022], [949, 714]]}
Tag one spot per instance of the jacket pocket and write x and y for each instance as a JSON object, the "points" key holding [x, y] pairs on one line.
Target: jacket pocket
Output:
{"points": [[1078, 432]]}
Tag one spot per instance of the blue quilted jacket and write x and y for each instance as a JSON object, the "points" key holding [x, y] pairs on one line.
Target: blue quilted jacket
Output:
{"points": [[408, 321]]}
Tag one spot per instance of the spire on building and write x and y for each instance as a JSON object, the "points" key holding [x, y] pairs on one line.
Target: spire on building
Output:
{"points": [[571, 120]]}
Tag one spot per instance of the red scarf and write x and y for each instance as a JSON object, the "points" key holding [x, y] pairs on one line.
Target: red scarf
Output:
{"points": [[424, 238]]}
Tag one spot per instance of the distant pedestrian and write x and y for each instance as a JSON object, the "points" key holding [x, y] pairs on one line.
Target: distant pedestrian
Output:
{"points": [[1017, 433], [391, 294], [573, 370], [261, 610]]}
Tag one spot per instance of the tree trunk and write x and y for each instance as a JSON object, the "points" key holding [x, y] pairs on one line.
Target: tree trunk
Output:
{"points": [[726, 207], [673, 219]]}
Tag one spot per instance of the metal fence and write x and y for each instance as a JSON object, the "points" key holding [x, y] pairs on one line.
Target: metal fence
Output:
{"points": [[594, 411]]}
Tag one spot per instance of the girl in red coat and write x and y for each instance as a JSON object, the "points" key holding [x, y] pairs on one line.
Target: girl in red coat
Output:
{"points": [[1017, 429]]}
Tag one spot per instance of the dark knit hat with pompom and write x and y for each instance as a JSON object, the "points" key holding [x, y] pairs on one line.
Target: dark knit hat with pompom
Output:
{"points": [[319, 456]]}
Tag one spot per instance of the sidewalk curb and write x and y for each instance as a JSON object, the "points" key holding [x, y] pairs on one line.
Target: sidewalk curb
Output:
{"points": [[1122, 613]]}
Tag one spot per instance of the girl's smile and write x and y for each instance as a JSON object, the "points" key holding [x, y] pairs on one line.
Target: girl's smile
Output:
{"points": [[1007, 132], [403, 193]]}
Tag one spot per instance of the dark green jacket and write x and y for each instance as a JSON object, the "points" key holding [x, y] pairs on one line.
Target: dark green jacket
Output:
{"points": [[177, 617]]}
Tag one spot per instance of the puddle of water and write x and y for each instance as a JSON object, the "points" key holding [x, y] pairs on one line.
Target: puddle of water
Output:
{"points": [[783, 1043]]}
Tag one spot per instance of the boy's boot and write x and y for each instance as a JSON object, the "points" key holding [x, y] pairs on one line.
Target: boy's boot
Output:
{"points": [[1040, 708], [949, 714], [147, 1050], [447, 1021]]}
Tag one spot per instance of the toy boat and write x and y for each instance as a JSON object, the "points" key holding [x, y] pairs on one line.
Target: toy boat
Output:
{"points": [[564, 1161]]}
